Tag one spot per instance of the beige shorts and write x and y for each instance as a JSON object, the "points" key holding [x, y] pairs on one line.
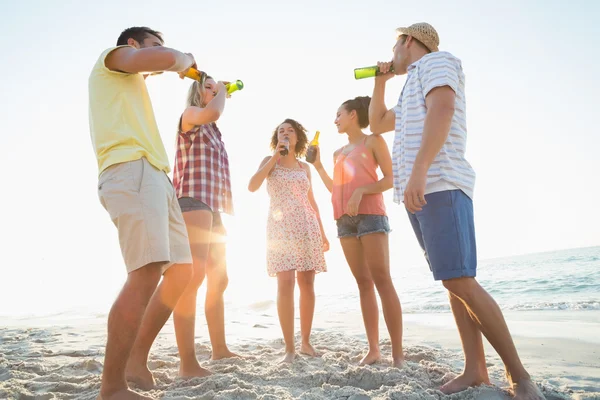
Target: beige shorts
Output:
{"points": [[142, 204]]}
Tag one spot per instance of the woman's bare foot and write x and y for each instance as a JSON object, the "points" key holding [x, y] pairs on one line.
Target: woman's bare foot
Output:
{"points": [[527, 390], [463, 382], [288, 358], [221, 354], [123, 394], [307, 349], [193, 371], [372, 357], [140, 376], [398, 362]]}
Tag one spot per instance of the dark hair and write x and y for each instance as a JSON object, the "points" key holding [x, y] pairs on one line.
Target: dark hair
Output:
{"points": [[302, 142], [404, 37], [137, 33], [361, 106]]}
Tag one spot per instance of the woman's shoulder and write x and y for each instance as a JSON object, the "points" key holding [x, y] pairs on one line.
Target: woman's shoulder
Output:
{"points": [[338, 151], [264, 161], [373, 140], [304, 166]]}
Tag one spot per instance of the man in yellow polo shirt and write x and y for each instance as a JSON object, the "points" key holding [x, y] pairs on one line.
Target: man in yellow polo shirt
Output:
{"points": [[134, 188]]}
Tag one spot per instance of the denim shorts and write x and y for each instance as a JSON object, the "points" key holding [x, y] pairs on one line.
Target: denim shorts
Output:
{"points": [[192, 204], [445, 230], [362, 224]]}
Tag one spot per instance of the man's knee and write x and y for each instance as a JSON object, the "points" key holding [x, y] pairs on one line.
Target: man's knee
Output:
{"points": [[462, 288], [147, 276]]}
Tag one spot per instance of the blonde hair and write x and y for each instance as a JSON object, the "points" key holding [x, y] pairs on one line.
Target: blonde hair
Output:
{"points": [[196, 93]]}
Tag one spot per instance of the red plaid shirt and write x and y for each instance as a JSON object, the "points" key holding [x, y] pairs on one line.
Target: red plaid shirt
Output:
{"points": [[202, 168]]}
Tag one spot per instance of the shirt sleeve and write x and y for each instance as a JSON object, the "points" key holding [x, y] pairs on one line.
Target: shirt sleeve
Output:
{"points": [[439, 70], [103, 61]]}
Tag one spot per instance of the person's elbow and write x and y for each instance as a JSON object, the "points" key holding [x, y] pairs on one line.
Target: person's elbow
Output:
{"points": [[154, 59], [376, 129], [252, 187], [388, 182]]}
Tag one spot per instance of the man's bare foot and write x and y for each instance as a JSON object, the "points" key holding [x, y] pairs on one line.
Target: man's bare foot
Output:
{"points": [[398, 362], [527, 390], [219, 355], [463, 382], [193, 371], [288, 358], [123, 394], [372, 357], [307, 349], [140, 376]]}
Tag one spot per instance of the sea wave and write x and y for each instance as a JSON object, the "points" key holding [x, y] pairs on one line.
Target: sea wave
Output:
{"points": [[587, 305]]}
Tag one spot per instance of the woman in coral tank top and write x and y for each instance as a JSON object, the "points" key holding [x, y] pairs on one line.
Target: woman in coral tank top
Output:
{"points": [[362, 222]]}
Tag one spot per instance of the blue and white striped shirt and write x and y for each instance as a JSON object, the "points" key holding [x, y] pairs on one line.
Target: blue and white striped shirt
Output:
{"points": [[450, 169]]}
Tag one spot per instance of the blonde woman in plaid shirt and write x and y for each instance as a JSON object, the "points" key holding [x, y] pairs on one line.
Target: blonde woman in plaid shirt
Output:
{"points": [[203, 187]]}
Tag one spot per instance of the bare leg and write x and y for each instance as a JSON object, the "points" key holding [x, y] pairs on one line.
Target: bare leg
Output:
{"points": [[214, 306], [124, 322], [487, 315], [475, 372], [376, 252], [306, 283], [285, 308], [198, 224], [353, 250], [161, 305]]}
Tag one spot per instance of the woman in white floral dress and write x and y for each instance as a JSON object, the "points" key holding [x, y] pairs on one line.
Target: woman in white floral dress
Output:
{"points": [[295, 237]]}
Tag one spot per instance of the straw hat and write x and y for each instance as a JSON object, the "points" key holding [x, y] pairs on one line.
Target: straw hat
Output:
{"points": [[424, 33]]}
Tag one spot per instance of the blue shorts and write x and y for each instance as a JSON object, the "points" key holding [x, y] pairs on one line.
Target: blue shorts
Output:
{"points": [[362, 224], [191, 204], [445, 230]]}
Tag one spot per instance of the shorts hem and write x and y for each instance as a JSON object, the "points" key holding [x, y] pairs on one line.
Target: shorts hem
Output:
{"points": [[386, 231], [462, 273], [166, 261], [145, 262]]}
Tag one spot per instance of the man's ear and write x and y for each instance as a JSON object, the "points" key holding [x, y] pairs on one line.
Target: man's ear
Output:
{"points": [[133, 42]]}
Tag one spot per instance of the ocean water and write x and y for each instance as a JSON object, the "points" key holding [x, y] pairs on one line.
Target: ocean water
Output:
{"points": [[562, 280], [566, 280]]}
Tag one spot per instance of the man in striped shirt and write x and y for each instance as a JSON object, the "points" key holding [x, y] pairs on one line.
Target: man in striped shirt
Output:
{"points": [[435, 182]]}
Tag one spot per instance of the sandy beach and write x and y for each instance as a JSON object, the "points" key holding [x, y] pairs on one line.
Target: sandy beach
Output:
{"points": [[65, 362]]}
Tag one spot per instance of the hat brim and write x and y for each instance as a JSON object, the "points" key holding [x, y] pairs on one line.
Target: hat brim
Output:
{"points": [[407, 31]]}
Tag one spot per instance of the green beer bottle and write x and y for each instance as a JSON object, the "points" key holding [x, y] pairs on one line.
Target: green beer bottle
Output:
{"points": [[199, 76], [368, 72], [234, 86]]}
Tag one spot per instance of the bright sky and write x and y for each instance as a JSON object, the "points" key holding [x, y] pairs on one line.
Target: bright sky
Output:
{"points": [[531, 97]]}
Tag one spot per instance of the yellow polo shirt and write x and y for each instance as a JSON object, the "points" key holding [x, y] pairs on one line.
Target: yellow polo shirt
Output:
{"points": [[122, 123]]}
